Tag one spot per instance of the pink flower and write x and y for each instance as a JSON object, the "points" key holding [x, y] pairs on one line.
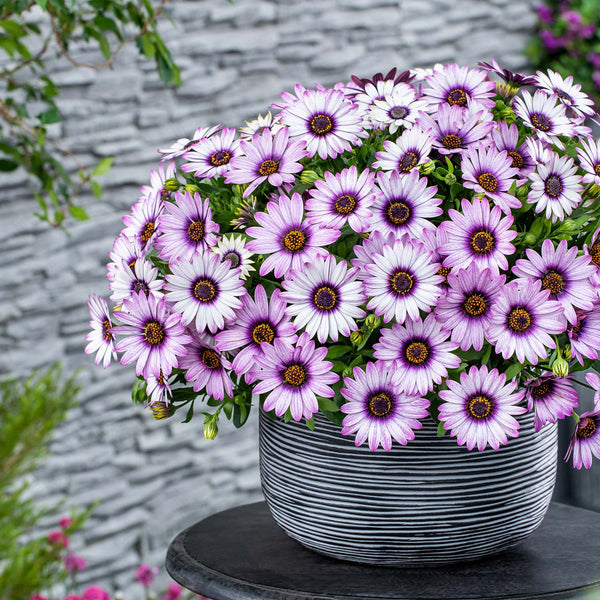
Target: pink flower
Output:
{"points": [[65, 522], [145, 574], [173, 592], [58, 538], [38, 597], [74, 563], [73, 597], [95, 592]]}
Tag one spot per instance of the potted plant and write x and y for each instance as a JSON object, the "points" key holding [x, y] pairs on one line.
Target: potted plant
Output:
{"points": [[410, 265]]}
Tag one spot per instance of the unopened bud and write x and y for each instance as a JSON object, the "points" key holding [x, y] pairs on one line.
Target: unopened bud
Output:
{"points": [[427, 168], [567, 353], [190, 187], [507, 114], [161, 410], [529, 239], [450, 179], [373, 321], [211, 429], [356, 337], [347, 372], [309, 177], [172, 184], [560, 368]]}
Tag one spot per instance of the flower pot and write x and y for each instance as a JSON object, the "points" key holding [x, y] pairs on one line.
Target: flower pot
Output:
{"points": [[428, 503]]}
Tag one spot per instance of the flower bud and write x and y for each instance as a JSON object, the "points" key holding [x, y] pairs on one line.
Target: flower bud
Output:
{"points": [[347, 372], [560, 368], [373, 321], [450, 179], [356, 337], [161, 410], [190, 187], [529, 239], [427, 168], [172, 184], [309, 177], [211, 429], [567, 352]]}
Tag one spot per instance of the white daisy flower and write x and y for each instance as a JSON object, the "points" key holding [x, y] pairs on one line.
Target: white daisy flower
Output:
{"points": [[398, 109], [260, 124], [143, 277], [568, 93], [233, 249]]}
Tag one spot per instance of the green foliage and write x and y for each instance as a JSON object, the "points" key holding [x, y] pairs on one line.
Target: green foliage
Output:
{"points": [[29, 412], [25, 83]]}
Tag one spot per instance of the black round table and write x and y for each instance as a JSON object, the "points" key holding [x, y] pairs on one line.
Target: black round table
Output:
{"points": [[242, 554]]}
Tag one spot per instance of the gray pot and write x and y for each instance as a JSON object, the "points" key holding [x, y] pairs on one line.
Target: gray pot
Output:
{"points": [[428, 503]]}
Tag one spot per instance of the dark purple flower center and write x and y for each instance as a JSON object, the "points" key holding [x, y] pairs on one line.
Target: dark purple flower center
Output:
{"points": [[542, 388], [233, 257], [553, 186], [517, 160], [263, 332], [457, 97], [597, 169], [321, 124], [482, 242], [295, 375], [220, 158], [380, 405], [138, 286], [294, 240], [397, 212], [154, 333], [586, 427], [268, 167], [595, 253], [518, 319], [210, 359], [165, 194], [408, 161], [196, 230], [475, 304], [204, 290], [401, 282], [480, 406], [488, 182], [541, 122], [147, 231], [325, 298], [398, 112], [416, 352], [106, 334], [563, 95], [345, 204], [553, 281], [452, 141]]}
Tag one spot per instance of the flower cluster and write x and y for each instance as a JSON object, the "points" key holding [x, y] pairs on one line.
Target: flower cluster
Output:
{"points": [[568, 41], [411, 246]]}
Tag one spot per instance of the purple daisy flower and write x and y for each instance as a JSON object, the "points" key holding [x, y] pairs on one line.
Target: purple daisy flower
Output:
{"points": [[267, 158], [409, 151], [523, 320], [540, 112], [156, 339], [377, 411], [481, 409], [233, 249], [568, 93], [157, 181], [343, 198], [325, 298], [515, 79], [556, 187], [418, 353], [293, 376], [125, 251], [101, 340], [466, 307], [562, 272], [489, 172], [141, 222], [187, 228], [398, 109], [158, 389], [290, 240], [453, 129], [402, 281], [364, 251], [326, 120], [459, 86], [585, 442], [142, 278], [589, 158], [205, 290], [211, 156], [407, 204], [478, 235], [584, 334], [593, 251], [506, 137], [551, 398], [182, 145], [259, 321], [208, 369]]}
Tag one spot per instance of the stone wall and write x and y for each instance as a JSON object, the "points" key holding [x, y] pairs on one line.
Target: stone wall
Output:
{"points": [[154, 478]]}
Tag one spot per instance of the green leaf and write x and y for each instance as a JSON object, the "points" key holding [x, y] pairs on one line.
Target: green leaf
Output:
{"points": [[103, 166], [8, 165], [13, 28], [441, 432], [42, 3], [106, 24], [513, 371], [77, 212], [96, 189], [228, 408], [147, 46], [190, 413], [327, 405], [240, 415], [49, 116], [337, 351], [310, 423]]}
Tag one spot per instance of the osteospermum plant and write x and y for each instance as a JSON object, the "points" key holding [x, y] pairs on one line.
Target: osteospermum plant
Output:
{"points": [[418, 245]]}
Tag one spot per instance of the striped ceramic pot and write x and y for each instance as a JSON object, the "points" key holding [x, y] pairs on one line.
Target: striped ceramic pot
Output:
{"points": [[428, 503]]}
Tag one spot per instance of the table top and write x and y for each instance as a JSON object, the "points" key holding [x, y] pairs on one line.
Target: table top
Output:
{"points": [[242, 554]]}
